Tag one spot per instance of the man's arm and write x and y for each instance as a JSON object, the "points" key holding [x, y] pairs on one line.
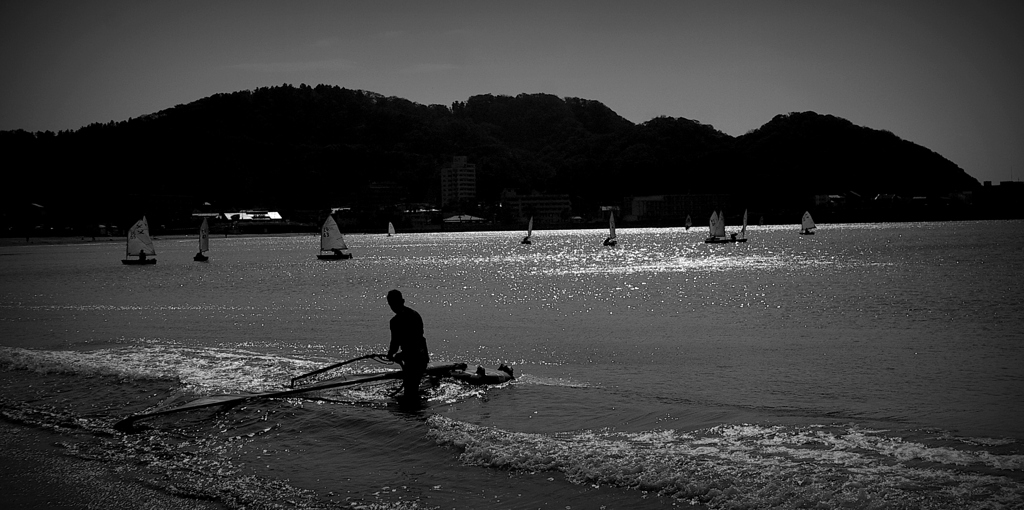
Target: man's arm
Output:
{"points": [[393, 347]]}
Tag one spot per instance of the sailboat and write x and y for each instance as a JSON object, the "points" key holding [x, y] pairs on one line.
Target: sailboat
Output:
{"points": [[391, 229], [716, 229], [204, 242], [689, 222], [139, 245], [807, 224], [717, 235], [610, 241], [529, 232], [332, 241]]}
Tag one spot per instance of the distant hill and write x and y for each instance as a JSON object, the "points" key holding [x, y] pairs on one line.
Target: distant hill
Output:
{"points": [[809, 152], [309, 148]]}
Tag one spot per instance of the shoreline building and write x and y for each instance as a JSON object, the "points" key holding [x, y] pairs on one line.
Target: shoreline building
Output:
{"points": [[543, 208], [458, 183], [673, 209]]}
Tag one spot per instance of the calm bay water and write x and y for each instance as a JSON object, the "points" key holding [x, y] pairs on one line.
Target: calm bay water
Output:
{"points": [[871, 366]]}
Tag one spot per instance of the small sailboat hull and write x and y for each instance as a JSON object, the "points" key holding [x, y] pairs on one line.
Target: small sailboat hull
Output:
{"points": [[201, 258], [484, 376], [127, 424], [723, 240], [334, 256]]}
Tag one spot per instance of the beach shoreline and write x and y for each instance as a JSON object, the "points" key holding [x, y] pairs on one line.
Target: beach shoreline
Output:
{"points": [[65, 240], [36, 473]]}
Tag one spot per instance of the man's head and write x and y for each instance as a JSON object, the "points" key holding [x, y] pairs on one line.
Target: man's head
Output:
{"points": [[395, 299]]}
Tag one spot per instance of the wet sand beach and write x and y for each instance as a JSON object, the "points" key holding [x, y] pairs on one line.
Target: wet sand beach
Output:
{"points": [[35, 472]]}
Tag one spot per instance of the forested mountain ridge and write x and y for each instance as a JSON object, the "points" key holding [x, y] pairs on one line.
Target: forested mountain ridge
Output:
{"points": [[308, 147], [833, 153]]}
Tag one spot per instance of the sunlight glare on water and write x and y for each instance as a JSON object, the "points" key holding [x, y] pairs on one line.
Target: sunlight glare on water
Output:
{"points": [[861, 365]]}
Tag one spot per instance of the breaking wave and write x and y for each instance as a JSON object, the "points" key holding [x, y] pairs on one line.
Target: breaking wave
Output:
{"points": [[753, 466]]}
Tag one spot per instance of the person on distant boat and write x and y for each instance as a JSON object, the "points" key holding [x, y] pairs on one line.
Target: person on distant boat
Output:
{"points": [[610, 241], [142, 255], [408, 346]]}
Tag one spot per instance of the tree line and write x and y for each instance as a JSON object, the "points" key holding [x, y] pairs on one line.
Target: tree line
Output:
{"points": [[304, 149]]}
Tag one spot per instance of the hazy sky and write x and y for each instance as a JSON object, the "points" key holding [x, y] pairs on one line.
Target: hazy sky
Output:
{"points": [[948, 75]]}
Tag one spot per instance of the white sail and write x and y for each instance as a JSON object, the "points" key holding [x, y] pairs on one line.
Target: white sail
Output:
{"points": [[743, 231], [611, 226], [204, 236], [806, 223], [139, 240], [717, 224], [330, 236], [529, 232], [713, 224], [391, 229], [689, 222]]}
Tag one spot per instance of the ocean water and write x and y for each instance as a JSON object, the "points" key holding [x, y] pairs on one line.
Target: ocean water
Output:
{"points": [[867, 366]]}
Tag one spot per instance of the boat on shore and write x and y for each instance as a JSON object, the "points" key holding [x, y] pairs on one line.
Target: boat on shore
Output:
{"points": [[139, 245], [332, 243]]}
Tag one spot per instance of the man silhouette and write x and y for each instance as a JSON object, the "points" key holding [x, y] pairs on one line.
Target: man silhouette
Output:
{"points": [[408, 346]]}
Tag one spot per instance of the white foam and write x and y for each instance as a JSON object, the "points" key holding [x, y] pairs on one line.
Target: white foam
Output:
{"points": [[203, 370], [746, 465]]}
